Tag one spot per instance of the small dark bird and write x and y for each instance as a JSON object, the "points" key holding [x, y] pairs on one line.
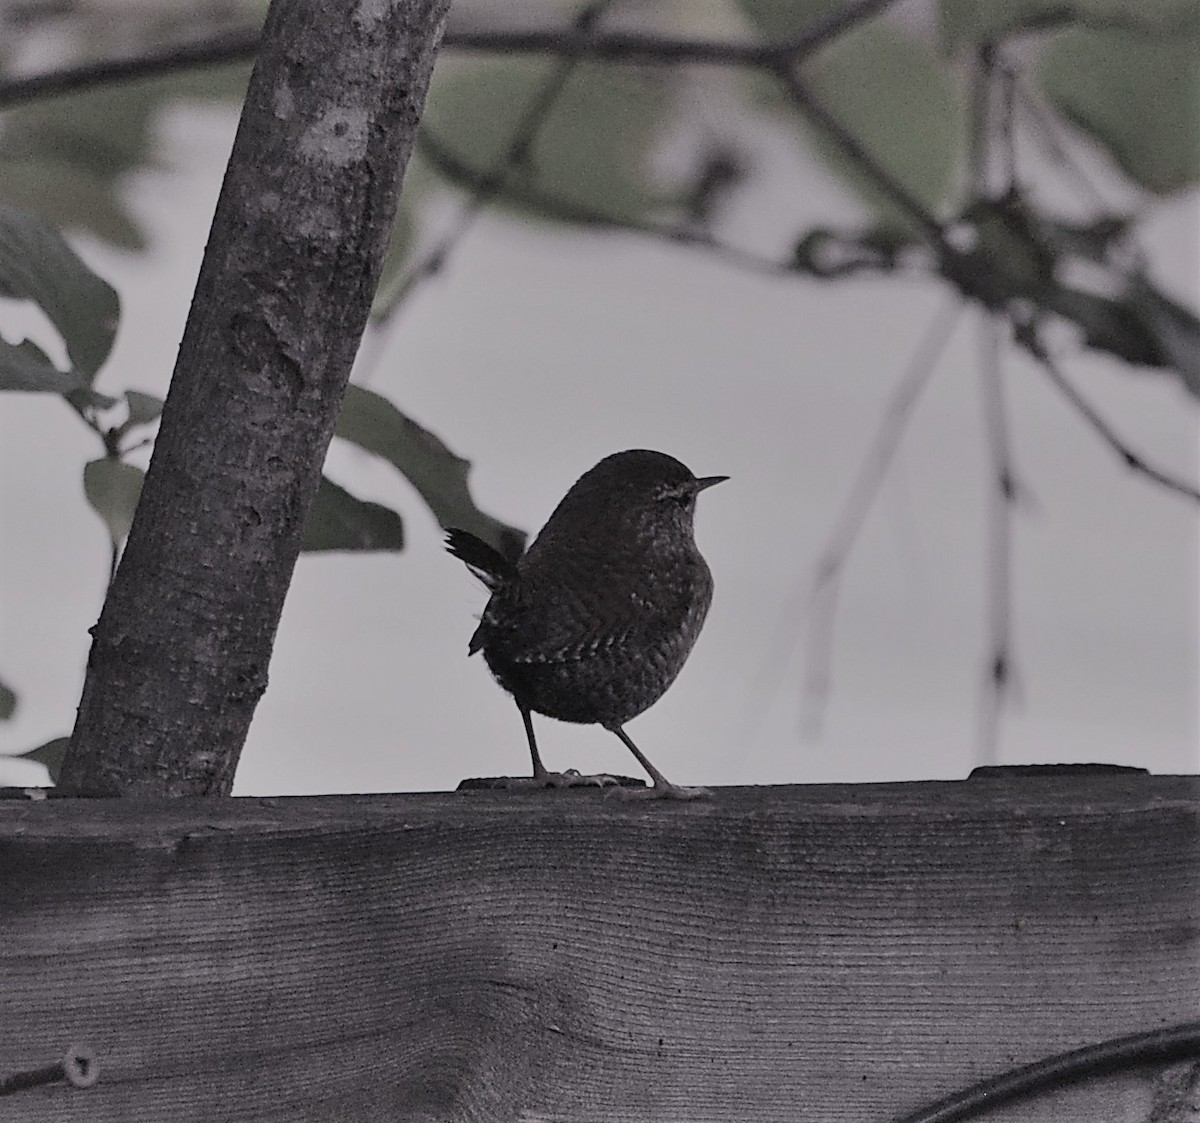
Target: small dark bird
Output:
{"points": [[596, 619]]}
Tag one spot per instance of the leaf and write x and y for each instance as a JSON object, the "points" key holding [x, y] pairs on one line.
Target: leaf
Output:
{"points": [[1108, 324], [1175, 329], [113, 488], [341, 521], [893, 94], [51, 754], [70, 197], [374, 424], [66, 156], [8, 702], [143, 408], [591, 151], [965, 23], [37, 264], [25, 366], [1137, 95]]}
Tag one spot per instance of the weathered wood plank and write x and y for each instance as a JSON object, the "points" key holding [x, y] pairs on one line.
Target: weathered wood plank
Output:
{"points": [[828, 953]]}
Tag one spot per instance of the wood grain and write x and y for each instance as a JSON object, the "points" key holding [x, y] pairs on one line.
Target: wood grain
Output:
{"points": [[826, 953]]}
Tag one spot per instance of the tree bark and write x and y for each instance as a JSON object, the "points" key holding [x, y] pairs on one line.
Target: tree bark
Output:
{"points": [[180, 653]]}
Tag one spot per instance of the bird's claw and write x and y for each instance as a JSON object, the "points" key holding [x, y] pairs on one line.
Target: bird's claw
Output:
{"points": [[663, 791], [571, 778]]}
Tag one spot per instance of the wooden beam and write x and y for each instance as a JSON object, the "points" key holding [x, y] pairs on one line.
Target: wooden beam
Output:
{"points": [[830, 952]]}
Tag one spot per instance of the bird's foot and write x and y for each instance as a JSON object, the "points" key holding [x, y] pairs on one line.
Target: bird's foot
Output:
{"points": [[664, 791], [568, 779]]}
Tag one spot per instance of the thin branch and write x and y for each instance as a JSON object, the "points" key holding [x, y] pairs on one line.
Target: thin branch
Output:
{"points": [[237, 46], [1007, 81], [624, 46], [488, 186], [1025, 332], [978, 118], [857, 152], [826, 586], [567, 43], [998, 549], [990, 128], [568, 210], [815, 614], [1047, 131]]}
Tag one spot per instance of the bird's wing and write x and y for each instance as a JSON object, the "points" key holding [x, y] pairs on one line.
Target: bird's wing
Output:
{"points": [[562, 625]]}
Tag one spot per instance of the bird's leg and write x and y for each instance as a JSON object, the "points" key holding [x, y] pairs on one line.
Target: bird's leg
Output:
{"points": [[663, 788], [543, 778], [539, 769]]}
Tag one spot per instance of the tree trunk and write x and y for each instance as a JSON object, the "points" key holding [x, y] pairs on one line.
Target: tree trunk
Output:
{"points": [[180, 653]]}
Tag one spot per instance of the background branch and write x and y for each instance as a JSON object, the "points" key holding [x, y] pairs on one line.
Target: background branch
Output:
{"points": [[1026, 335], [998, 511], [575, 43], [814, 613]]}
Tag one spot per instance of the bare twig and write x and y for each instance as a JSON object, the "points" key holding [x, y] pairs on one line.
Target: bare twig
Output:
{"points": [[813, 613], [568, 43], [1047, 132], [857, 152], [991, 131], [998, 550], [228, 47], [826, 586], [1025, 333], [568, 210], [491, 183]]}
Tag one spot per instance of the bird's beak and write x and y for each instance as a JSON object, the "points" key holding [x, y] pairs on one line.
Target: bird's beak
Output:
{"points": [[709, 481]]}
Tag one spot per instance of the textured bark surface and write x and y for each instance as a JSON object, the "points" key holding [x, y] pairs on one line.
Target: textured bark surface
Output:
{"points": [[180, 653], [832, 953]]}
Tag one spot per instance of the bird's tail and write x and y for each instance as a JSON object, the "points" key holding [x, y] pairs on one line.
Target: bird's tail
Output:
{"points": [[486, 562]]}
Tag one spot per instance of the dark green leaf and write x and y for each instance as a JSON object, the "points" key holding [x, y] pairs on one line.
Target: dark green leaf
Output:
{"points": [[143, 408], [966, 23], [592, 149], [25, 366], [781, 21], [1138, 95], [893, 94], [37, 264], [8, 702], [113, 488], [1108, 324], [70, 198], [340, 521], [1174, 328], [374, 424], [50, 754], [66, 156]]}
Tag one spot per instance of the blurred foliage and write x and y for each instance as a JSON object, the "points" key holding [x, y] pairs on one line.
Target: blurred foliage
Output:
{"points": [[1138, 96], [591, 152], [893, 93], [371, 422], [67, 157], [50, 755], [36, 264]]}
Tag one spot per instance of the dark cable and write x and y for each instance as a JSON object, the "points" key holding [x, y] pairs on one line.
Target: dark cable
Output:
{"points": [[1160, 1046]]}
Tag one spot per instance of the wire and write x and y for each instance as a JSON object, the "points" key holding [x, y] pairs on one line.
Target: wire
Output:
{"points": [[1160, 1046]]}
